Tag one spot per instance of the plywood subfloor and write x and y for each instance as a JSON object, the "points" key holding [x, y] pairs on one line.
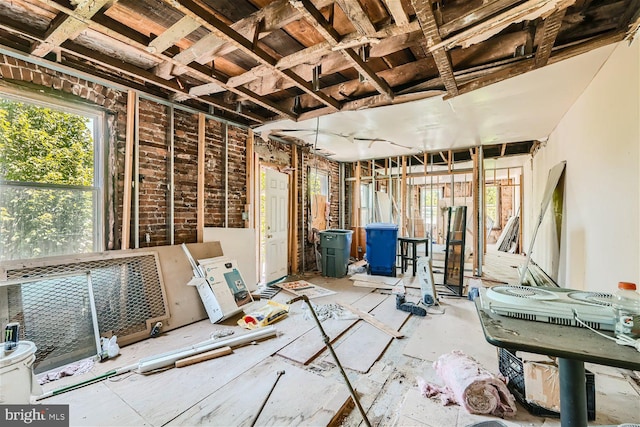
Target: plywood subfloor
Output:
{"points": [[239, 402], [360, 349], [438, 334], [311, 344], [388, 392]]}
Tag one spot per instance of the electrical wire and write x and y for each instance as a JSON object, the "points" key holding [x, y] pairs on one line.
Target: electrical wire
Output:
{"points": [[619, 339]]}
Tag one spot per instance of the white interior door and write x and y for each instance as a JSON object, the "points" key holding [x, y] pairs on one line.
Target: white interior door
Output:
{"points": [[277, 212]]}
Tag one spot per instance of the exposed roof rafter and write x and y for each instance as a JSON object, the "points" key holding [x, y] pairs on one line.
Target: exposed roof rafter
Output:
{"points": [[315, 18]]}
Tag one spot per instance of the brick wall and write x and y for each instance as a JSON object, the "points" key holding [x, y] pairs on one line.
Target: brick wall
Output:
{"points": [[154, 193], [154, 163]]}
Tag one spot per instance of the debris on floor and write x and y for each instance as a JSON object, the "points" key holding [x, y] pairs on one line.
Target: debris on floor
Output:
{"points": [[271, 312], [327, 311], [469, 385], [77, 368]]}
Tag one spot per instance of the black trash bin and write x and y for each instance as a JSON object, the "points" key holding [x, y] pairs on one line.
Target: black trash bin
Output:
{"points": [[335, 246]]}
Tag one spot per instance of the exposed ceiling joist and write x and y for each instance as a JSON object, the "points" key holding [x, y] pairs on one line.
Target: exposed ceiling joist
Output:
{"points": [[357, 16], [551, 28], [315, 18], [427, 20], [484, 11], [527, 11], [126, 36], [149, 77], [397, 11], [319, 51], [66, 27], [176, 32], [223, 31]]}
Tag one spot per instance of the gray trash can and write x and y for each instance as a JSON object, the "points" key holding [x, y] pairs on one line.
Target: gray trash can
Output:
{"points": [[335, 246]]}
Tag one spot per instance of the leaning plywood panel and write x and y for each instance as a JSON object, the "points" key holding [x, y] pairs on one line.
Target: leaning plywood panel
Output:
{"points": [[239, 401], [184, 302], [238, 244]]}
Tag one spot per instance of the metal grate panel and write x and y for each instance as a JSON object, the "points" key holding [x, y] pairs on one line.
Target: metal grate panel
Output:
{"points": [[56, 315], [128, 293]]}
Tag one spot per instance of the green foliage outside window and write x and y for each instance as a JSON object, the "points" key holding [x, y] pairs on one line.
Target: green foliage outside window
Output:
{"points": [[47, 174]]}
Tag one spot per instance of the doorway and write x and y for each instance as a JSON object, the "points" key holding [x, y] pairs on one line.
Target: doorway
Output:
{"points": [[274, 224]]}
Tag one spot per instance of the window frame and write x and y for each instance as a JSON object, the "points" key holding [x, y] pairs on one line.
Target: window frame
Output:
{"points": [[98, 116]]}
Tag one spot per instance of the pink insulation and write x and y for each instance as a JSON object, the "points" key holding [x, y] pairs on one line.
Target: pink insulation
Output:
{"points": [[470, 385]]}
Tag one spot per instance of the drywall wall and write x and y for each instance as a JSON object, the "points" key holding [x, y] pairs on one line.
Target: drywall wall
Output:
{"points": [[599, 137]]}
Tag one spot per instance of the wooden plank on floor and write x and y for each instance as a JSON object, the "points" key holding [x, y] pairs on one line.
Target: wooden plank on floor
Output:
{"points": [[359, 350], [375, 279], [373, 285], [373, 321], [309, 345], [238, 402]]}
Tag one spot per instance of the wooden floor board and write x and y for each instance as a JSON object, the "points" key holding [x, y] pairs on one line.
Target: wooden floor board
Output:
{"points": [[360, 349], [309, 345], [458, 324], [315, 404]]}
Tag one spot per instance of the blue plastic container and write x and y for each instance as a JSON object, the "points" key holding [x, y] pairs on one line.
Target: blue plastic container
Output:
{"points": [[382, 241]]}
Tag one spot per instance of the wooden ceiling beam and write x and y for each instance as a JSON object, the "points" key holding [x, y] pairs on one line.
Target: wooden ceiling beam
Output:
{"points": [[173, 34], [427, 20], [526, 65], [128, 36], [274, 16], [149, 77], [317, 20], [223, 31], [474, 75], [551, 28], [478, 14], [65, 27], [397, 11], [354, 93], [527, 11], [358, 17], [391, 39]]}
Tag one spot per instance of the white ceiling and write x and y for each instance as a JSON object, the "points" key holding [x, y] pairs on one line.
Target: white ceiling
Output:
{"points": [[523, 108]]}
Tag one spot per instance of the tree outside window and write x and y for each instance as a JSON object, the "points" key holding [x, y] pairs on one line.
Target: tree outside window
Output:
{"points": [[49, 197]]}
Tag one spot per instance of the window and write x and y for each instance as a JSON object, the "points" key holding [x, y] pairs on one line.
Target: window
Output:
{"points": [[319, 198], [366, 198], [429, 197], [50, 179], [318, 182], [492, 206]]}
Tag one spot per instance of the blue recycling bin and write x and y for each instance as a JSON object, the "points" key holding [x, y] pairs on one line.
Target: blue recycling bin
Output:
{"points": [[382, 241], [335, 246]]}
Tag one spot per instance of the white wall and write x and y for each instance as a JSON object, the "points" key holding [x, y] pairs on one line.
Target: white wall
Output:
{"points": [[599, 137]]}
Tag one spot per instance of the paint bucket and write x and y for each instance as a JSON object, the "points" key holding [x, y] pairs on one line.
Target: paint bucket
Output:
{"points": [[17, 382]]}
